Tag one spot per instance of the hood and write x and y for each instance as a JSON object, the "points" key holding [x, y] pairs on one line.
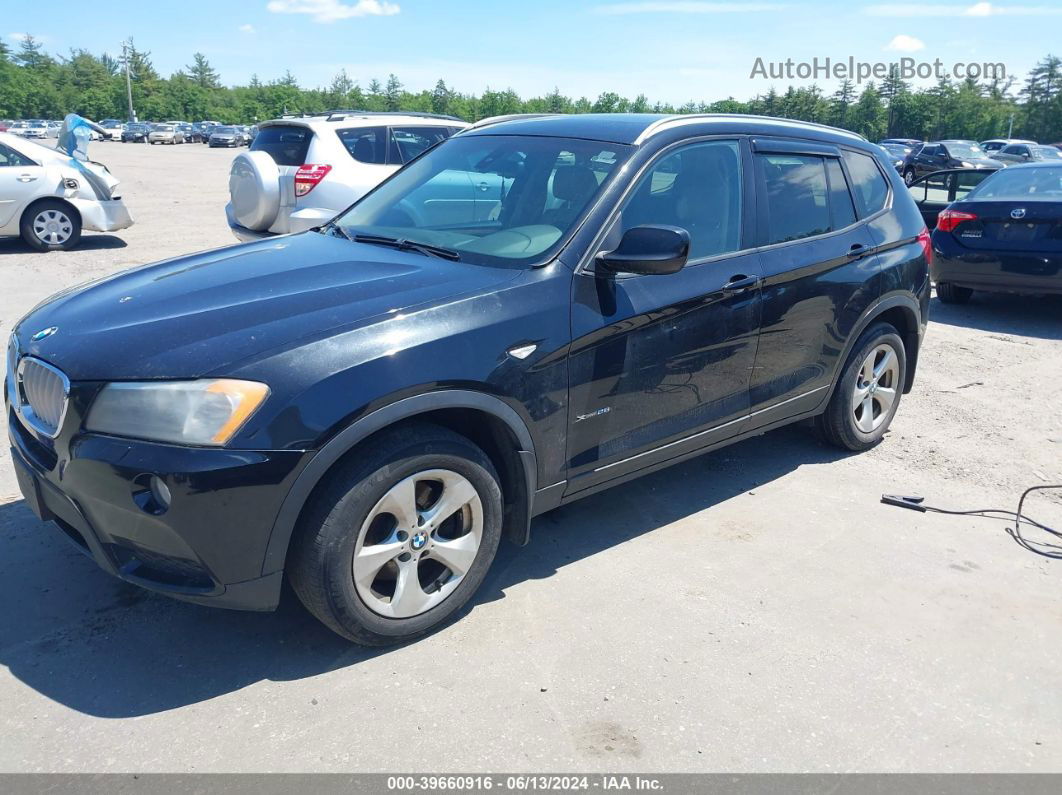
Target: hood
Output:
{"points": [[197, 315]]}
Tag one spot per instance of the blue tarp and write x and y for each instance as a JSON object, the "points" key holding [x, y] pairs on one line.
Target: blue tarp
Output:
{"points": [[75, 134]]}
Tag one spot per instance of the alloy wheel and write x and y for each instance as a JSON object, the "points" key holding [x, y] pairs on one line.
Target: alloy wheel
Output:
{"points": [[53, 227], [418, 543], [875, 388]]}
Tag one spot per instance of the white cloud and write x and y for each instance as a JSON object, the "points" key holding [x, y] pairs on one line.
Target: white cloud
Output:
{"points": [[20, 37], [615, 9], [955, 11], [905, 43], [326, 11], [246, 28]]}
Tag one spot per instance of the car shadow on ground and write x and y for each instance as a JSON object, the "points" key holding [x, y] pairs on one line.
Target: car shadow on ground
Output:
{"points": [[1001, 313], [90, 242], [109, 649]]}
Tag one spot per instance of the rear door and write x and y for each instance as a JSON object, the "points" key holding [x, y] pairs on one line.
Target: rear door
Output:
{"points": [[819, 266]]}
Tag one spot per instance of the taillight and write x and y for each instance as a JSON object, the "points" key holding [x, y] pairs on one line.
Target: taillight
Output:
{"points": [[949, 219], [308, 175], [926, 242]]}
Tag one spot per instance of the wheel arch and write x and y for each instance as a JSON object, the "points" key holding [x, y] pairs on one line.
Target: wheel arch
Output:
{"points": [[486, 420], [902, 311], [61, 200]]}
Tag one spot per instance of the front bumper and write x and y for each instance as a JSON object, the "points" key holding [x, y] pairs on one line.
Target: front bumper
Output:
{"points": [[103, 216], [208, 546]]}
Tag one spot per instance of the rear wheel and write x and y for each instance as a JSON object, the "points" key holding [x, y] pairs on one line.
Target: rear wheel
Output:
{"points": [[400, 538], [951, 294], [909, 176], [867, 396], [51, 225]]}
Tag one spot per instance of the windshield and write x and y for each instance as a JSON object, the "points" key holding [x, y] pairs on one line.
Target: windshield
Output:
{"points": [[164, 128], [224, 130], [1034, 183], [964, 150], [489, 199]]}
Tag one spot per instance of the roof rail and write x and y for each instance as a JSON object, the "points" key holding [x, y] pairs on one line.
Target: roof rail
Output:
{"points": [[510, 117], [342, 113], [691, 118]]}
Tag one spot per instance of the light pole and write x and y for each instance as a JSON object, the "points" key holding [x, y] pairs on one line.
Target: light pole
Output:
{"points": [[128, 82]]}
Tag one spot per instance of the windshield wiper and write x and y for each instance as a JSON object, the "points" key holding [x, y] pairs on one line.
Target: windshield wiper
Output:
{"points": [[409, 245]]}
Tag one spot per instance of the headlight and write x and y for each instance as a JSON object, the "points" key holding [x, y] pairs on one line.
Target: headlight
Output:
{"points": [[967, 165], [205, 412]]}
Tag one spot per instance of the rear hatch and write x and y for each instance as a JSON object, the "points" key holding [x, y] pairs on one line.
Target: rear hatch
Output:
{"points": [[1011, 226], [262, 180]]}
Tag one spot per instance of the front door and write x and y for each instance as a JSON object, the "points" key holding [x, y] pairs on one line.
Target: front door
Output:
{"points": [[20, 181], [660, 365]]}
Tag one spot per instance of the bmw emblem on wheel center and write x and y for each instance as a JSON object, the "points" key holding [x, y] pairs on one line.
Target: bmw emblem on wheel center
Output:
{"points": [[419, 540]]}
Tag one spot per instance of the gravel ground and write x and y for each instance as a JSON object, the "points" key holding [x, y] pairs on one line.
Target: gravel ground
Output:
{"points": [[755, 609]]}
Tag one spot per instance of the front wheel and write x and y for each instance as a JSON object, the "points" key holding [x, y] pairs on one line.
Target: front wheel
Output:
{"points": [[866, 397], [909, 177], [399, 538]]}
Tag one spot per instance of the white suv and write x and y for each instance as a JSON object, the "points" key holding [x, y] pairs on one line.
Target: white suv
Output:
{"points": [[300, 173]]}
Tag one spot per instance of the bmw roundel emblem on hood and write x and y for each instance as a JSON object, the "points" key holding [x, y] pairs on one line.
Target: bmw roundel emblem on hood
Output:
{"points": [[44, 333]]}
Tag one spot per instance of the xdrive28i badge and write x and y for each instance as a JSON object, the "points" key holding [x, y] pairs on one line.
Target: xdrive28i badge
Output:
{"points": [[44, 333]]}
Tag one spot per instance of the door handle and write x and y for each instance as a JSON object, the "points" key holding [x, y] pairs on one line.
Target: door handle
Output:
{"points": [[740, 284], [858, 250], [26, 178], [483, 186]]}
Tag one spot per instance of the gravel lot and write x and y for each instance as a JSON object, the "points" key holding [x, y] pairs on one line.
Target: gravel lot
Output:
{"points": [[755, 609]]}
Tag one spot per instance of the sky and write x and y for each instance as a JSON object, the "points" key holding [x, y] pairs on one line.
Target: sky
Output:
{"points": [[670, 51]]}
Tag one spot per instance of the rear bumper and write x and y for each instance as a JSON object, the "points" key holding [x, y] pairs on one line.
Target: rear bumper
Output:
{"points": [[207, 547], [298, 221], [103, 216], [995, 271]]}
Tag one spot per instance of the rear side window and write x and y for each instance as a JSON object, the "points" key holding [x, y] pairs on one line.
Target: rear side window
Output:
{"points": [[408, 142], [365, 144], [870, 188], [9, 157], [841, 207], [797, 196], [286, 145]]}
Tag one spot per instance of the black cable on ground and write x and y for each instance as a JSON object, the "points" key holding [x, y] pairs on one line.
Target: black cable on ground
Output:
{"points": [[1048, 550]]}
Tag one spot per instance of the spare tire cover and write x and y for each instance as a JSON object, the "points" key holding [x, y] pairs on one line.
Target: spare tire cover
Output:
{"points": [[254, 189]]}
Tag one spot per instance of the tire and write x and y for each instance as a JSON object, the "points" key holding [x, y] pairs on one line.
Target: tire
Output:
{"points": [[50, 225], [875, 369], [360, 506], [909, 176], [950, 294]]}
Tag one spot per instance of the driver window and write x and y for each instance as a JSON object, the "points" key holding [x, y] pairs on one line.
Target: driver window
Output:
{"points": [[697, 188]]}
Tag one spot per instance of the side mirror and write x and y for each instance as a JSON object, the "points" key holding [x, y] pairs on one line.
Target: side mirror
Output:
{"points": [[648, 250]]}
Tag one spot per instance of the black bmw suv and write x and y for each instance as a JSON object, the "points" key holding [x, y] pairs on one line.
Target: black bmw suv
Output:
{"points": [[369, 407]]}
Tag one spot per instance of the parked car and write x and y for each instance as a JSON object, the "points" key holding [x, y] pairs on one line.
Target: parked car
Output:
{"points": [[897, 153], [1005, 235], [136, 132], [908, 143], [300, 172], [228, 135], [1027, 153], [33, 128], [190, 133], [48, 198], [207, 127], [113, 129], [993, 145], [934, 192], [371, 406], [166, 134], [939, 155]]}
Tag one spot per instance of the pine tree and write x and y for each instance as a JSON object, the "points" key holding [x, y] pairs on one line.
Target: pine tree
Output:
{"points": [[202, 73]]}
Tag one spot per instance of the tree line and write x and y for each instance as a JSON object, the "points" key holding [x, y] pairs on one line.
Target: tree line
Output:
{"points": [[36, 84]]}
